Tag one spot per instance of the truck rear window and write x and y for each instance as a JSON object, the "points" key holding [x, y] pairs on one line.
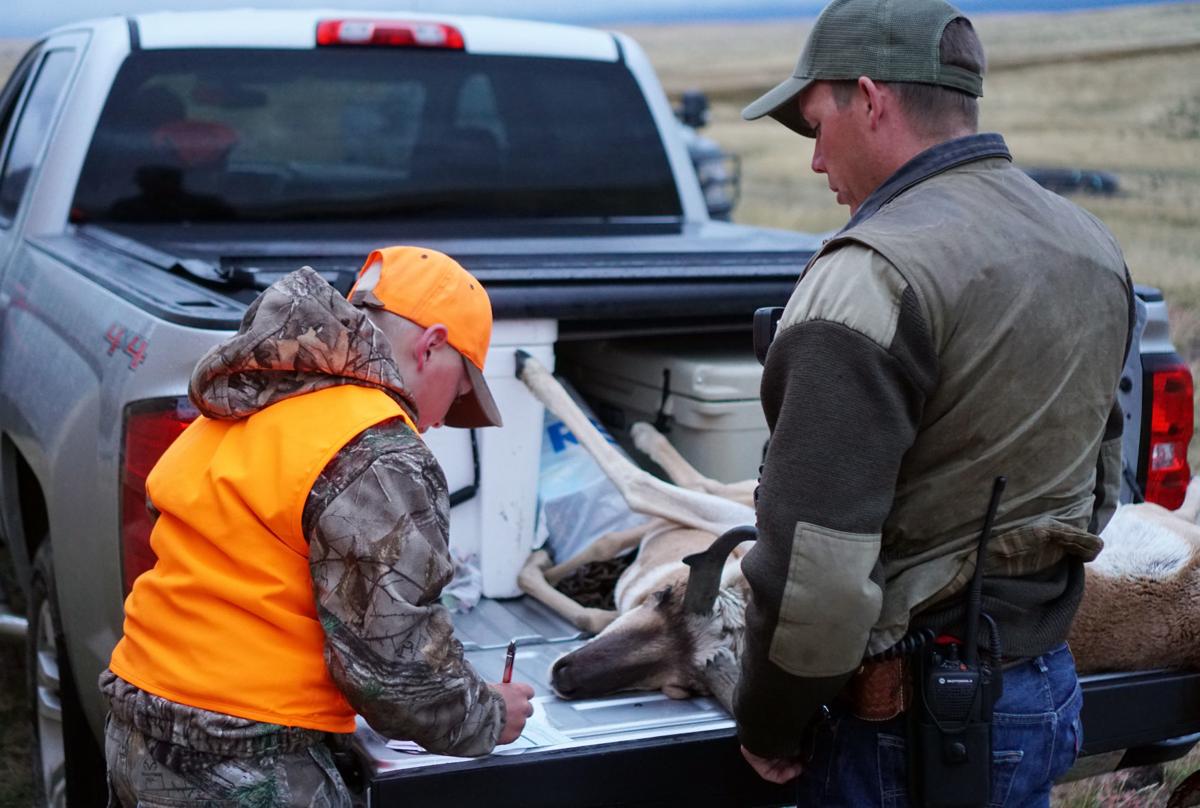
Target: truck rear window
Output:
{"points": [[255, 135]]}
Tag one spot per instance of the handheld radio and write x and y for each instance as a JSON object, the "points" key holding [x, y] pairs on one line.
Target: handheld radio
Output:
{"points": [[950, 752]]}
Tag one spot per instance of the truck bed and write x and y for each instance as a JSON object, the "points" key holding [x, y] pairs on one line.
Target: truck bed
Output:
{"points": [[685, 752]]}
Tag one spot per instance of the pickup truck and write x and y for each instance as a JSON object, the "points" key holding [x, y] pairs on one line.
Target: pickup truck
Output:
{"points": [[157, 171]]}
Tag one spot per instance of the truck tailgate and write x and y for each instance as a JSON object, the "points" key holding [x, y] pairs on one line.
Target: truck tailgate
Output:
{"points": [[645, 749], [632, 748]]}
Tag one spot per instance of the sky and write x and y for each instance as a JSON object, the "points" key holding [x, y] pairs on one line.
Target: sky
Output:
{"points": [[27, 18]]}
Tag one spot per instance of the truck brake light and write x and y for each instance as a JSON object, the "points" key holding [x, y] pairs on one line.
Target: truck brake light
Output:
{"points": [[389, 34], [1171, 426], [150, 427]]}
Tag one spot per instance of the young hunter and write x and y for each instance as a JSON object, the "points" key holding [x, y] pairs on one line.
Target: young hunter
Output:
{"points": [[301, 535]]}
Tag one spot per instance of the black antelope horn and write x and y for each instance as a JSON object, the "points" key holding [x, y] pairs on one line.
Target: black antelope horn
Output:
{"points": [[705, 577]]}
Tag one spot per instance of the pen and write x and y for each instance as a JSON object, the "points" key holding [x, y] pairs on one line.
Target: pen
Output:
{"points": [[509, 656]]}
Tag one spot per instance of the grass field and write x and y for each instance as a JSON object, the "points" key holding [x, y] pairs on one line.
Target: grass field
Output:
{"points": [[15, 783], [1116, 90], [1129, 102]]}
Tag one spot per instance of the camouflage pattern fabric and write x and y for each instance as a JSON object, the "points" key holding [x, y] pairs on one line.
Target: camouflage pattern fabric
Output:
{"points": [[377, 523], [297, 337], [165, 754], [147, 773]]}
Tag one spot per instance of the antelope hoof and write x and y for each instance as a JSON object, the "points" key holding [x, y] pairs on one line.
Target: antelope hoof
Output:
{"points": [[540, 559], [522, 358], [533, 572], [643, 436]]}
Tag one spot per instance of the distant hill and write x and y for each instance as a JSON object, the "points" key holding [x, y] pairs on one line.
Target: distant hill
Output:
{"points": [[737, 59], [10, 52], [29, 19]]}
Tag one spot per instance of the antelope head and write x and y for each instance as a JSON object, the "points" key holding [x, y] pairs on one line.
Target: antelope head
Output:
{"points": [[657, 646], [669, 640]]}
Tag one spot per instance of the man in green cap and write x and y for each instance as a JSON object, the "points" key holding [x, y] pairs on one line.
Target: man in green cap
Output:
{"points": [[965, 324]]}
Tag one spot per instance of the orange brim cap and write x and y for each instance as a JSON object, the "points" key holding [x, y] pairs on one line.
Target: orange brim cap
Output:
{"points": [[426, 287]]}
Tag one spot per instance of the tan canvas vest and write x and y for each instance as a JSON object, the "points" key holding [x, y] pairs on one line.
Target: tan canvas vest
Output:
{"points": [[1026, 299]]}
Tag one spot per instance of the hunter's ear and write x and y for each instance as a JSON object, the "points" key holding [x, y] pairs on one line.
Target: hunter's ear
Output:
{"points": [[436, 335]]}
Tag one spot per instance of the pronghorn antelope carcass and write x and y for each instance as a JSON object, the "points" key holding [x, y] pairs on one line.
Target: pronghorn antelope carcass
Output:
{"points": [[671, 620], [1137, 611], [1142, 595]]}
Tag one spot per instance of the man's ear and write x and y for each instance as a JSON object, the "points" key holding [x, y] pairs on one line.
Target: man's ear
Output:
{"points": [[873, 97], [431, 338]]}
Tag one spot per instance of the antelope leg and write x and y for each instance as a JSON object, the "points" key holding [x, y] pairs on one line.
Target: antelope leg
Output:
{"points": [[659, 449], [684, 474], [741, 492], [532, 581], [605, 548], [643, 492]]}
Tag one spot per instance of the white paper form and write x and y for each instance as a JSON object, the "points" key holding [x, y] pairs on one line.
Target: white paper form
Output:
{"points": [[539, 733]]}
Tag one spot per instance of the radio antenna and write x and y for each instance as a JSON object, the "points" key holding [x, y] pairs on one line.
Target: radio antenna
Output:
{"points": [[975, 597]]}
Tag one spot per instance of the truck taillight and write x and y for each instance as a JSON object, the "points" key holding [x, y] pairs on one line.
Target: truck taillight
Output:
{"points": [[389, 34], [150, 427], [1169, 386]]}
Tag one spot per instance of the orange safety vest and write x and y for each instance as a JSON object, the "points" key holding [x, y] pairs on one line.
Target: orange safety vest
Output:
{"points": [[226, 620]]}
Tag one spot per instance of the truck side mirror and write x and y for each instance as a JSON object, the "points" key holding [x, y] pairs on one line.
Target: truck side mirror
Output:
{"points": [[693, 109]]}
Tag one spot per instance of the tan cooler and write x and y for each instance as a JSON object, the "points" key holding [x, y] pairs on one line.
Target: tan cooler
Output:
{"points": [[708, 397]]}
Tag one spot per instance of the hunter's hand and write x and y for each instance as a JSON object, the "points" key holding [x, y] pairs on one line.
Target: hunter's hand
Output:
{"points": [[516, 697], [774, 770]]}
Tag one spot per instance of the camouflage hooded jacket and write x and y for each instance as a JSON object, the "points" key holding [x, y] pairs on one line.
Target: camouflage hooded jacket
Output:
{"points": [[389, 644]]}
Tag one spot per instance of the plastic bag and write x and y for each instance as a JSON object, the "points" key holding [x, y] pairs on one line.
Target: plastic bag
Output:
{"points": [[466, 587], [576, 503]]}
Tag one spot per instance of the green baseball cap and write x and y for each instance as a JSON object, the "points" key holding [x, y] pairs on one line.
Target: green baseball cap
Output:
{"points": [[885, 40]]}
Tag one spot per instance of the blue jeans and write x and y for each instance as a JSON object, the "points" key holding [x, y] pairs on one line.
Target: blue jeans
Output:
{"points": [[1036, 735]]}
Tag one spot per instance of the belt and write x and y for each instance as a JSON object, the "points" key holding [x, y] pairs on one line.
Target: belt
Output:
{"points": [[1007, 662], [882, 690]]}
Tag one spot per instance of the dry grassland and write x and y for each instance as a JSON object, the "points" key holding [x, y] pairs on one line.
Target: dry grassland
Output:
{"points": [[1115, 90], [1111, 90], [1136, 115], [10, 53]]}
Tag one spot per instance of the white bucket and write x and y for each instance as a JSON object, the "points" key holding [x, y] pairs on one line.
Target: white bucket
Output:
{"points": [[497, 523]]}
